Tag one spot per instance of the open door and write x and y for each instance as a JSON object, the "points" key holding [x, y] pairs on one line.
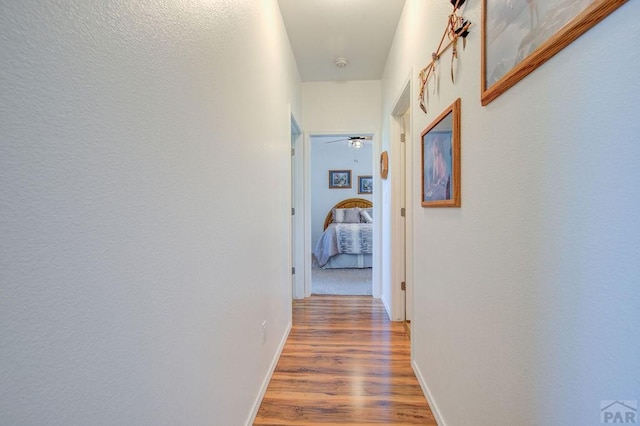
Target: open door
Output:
{"points": [[297, 235]]}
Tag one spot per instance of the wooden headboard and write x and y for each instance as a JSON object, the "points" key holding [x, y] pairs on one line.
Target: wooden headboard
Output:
{"points": [[347, 204]]}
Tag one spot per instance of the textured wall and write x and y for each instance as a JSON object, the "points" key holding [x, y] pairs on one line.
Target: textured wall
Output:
{"points": [[526, 298], [144, 163], [341, 106]]}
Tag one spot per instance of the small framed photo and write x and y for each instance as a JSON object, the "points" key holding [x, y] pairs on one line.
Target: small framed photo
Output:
{"points": [[339, 179], [365, 184]]}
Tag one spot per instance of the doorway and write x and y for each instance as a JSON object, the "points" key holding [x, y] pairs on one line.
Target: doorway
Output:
{"points": [[401, 209], [350, 165]]}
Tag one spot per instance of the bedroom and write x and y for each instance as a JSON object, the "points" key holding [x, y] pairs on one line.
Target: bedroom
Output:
{"points": [[341, 182]]}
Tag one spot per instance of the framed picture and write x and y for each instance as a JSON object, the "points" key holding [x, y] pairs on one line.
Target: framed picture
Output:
{"points": [[441, 160], [518, 37], [339, 179], [365, 184]]}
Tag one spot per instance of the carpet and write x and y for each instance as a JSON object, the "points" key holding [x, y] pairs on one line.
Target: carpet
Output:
{"points": [[348, 281]]}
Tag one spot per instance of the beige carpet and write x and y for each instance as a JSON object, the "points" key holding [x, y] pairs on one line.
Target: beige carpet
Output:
{"points": [[348, 281]]}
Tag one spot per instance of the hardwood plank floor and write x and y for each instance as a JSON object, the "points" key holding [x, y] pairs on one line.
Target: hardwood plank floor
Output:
{"points": [[344, 363]]}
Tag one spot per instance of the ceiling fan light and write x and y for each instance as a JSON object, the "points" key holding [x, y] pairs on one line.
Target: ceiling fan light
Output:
{"points": [[356, 144]]}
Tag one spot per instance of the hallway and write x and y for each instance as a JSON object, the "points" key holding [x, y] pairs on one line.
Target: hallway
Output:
{"points": [[344, 363]]}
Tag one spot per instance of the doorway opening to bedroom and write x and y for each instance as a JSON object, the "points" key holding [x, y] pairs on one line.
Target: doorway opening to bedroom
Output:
{"points": [[341, 200]]}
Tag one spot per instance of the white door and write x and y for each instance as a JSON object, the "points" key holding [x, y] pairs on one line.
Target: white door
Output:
{"points": [[297, 267], [405, 123]]}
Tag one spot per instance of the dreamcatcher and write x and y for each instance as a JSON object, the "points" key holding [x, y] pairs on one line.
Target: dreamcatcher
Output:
{"points": [[457, 27]]}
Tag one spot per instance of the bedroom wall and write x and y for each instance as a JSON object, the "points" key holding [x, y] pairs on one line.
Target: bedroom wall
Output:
{"points": [[531, 288], [334, 156], [144, 164]]}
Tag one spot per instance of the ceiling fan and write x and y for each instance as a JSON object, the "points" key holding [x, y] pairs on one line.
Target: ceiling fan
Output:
{"points": [[354, 141]]}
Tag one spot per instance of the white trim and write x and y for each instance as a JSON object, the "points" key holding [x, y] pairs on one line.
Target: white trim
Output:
{"points": [[401, 228], [403, 101], [397, 226], [297, 191], [377, 270], [306, 176], [412, 142], [385, 303], [267, 379], [427, 394]]}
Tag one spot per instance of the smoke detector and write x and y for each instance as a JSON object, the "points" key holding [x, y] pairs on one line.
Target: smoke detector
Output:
{"points": [[341, 62]]}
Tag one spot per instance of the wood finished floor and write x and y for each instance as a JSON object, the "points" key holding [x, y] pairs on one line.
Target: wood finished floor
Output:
{"points": [[344, 363]]}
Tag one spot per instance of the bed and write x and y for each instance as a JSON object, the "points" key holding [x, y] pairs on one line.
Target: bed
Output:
{"points": [[347, 239]]}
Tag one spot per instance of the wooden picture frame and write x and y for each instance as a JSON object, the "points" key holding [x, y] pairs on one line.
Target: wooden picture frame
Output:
{"points": [[339, 179], [384, 164], [506, 39], [365, 184], [441, 160]]}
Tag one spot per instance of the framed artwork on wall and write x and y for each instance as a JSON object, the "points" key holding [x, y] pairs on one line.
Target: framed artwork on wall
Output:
{"points": [[365, 184], [441, 160], [339, 179], [518, 37]]}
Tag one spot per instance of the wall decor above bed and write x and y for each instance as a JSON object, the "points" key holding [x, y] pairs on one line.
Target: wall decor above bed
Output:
{"points": [[365, 184], [339, 179]]}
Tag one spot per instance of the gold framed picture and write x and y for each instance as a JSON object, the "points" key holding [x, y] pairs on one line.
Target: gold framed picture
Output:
{"points": [[441, 160], [518, 37]]}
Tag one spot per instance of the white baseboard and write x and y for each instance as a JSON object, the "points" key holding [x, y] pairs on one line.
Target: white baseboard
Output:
{"points": [[386, 307], [267, 379], [427, 395]]}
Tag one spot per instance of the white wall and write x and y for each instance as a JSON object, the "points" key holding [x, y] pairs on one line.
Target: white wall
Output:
{"points": [[334, 156], [526, 298], [144, 164], [351, 107], [339, 106]]}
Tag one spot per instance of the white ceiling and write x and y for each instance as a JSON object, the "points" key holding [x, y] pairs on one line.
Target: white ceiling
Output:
{"points": [[322, 30]]}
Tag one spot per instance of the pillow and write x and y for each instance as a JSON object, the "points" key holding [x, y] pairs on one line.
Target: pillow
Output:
{"points": [[366, 217], [346, 215], [369, 211]]}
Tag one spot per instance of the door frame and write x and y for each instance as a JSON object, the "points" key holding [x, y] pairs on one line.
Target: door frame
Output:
{"points": [[376, 281], [297, 203], [402, 257]]}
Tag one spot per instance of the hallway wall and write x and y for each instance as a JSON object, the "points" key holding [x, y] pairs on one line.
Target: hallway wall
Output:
{"points": [[144, 172], [347, 106], [526, 297], [335, 106]]}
